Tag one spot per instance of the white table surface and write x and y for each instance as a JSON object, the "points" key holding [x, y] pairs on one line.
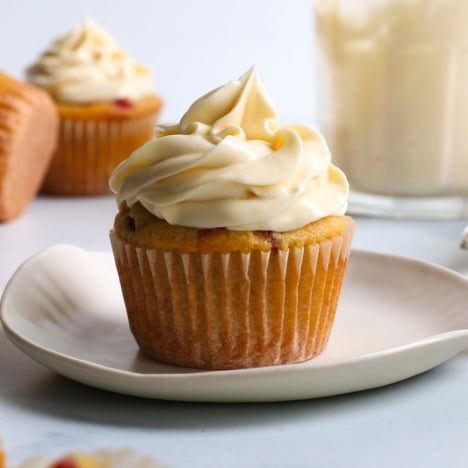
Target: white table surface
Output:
{"points": [[419, 422]]}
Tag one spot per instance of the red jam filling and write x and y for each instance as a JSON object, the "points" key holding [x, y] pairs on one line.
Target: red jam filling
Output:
{"points": [[208, 231], [123, 102], [66, 462], [271, 236], [130, 223]]}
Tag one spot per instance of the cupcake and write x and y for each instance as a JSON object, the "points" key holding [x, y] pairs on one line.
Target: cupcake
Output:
{"points": [[28, 136], [99, 459], [231, 239], [106, 105]]}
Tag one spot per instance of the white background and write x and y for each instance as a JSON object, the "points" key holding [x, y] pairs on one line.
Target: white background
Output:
{"points": [[190, 46]]}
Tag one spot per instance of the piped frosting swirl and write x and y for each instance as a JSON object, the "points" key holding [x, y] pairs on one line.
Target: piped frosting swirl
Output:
{"points": [[228, 163], [86, 65]]}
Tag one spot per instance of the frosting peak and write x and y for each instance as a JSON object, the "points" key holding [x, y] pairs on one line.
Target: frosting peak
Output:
{"points": [[86, 65], [243, 104], [228, 163]]}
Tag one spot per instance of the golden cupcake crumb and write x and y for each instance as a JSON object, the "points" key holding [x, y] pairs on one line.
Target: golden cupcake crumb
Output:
{"points": [[140, 228]]}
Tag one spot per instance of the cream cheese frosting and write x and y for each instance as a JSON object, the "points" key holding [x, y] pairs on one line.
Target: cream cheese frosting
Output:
{"points": [[228, 163], [86, 65]]}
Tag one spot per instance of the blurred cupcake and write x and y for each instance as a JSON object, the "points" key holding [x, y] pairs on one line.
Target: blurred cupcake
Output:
{"points": [[124, 458], [106, 105], [28, 136], [231, 241]]}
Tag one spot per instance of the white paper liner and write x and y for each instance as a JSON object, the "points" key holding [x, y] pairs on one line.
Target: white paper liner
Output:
{"points": [[235, 310], [88, 151]]}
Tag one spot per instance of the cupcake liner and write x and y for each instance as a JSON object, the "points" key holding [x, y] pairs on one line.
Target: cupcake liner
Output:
{"points": [[234, 310], [89, 150]]}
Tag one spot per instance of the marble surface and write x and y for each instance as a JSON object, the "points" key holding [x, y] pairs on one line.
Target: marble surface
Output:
{"points": [[422, 421]]}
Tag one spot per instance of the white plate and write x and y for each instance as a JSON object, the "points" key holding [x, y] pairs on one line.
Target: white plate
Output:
{"points": [[397, 317]]}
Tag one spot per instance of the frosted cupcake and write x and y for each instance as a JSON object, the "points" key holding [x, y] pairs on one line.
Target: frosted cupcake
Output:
{"points": [[100, 459], [106, 105], [231, 239]]}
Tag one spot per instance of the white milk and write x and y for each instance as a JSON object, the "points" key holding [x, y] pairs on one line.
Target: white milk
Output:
{"points": [[395, 78]]}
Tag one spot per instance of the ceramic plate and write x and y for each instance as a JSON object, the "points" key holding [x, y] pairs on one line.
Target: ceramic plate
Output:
{"points": [[397, 318]]}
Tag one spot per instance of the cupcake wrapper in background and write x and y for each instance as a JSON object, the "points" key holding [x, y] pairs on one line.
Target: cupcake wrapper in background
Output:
{"points": [[89, 150], [235, 310]]}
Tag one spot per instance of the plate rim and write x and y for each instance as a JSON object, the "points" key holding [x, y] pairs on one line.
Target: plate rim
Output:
{"points": [[37, 352]]}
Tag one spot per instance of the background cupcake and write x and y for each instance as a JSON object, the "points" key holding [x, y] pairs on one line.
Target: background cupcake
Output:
{"points": [[231, 241], [28, 136], [126, 458], [106, 105]]}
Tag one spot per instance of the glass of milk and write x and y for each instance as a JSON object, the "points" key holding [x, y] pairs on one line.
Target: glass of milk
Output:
{"points": [[394, 77]]}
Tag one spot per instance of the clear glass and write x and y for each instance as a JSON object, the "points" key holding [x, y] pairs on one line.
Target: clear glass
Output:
{"points": [[394, 107]]}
